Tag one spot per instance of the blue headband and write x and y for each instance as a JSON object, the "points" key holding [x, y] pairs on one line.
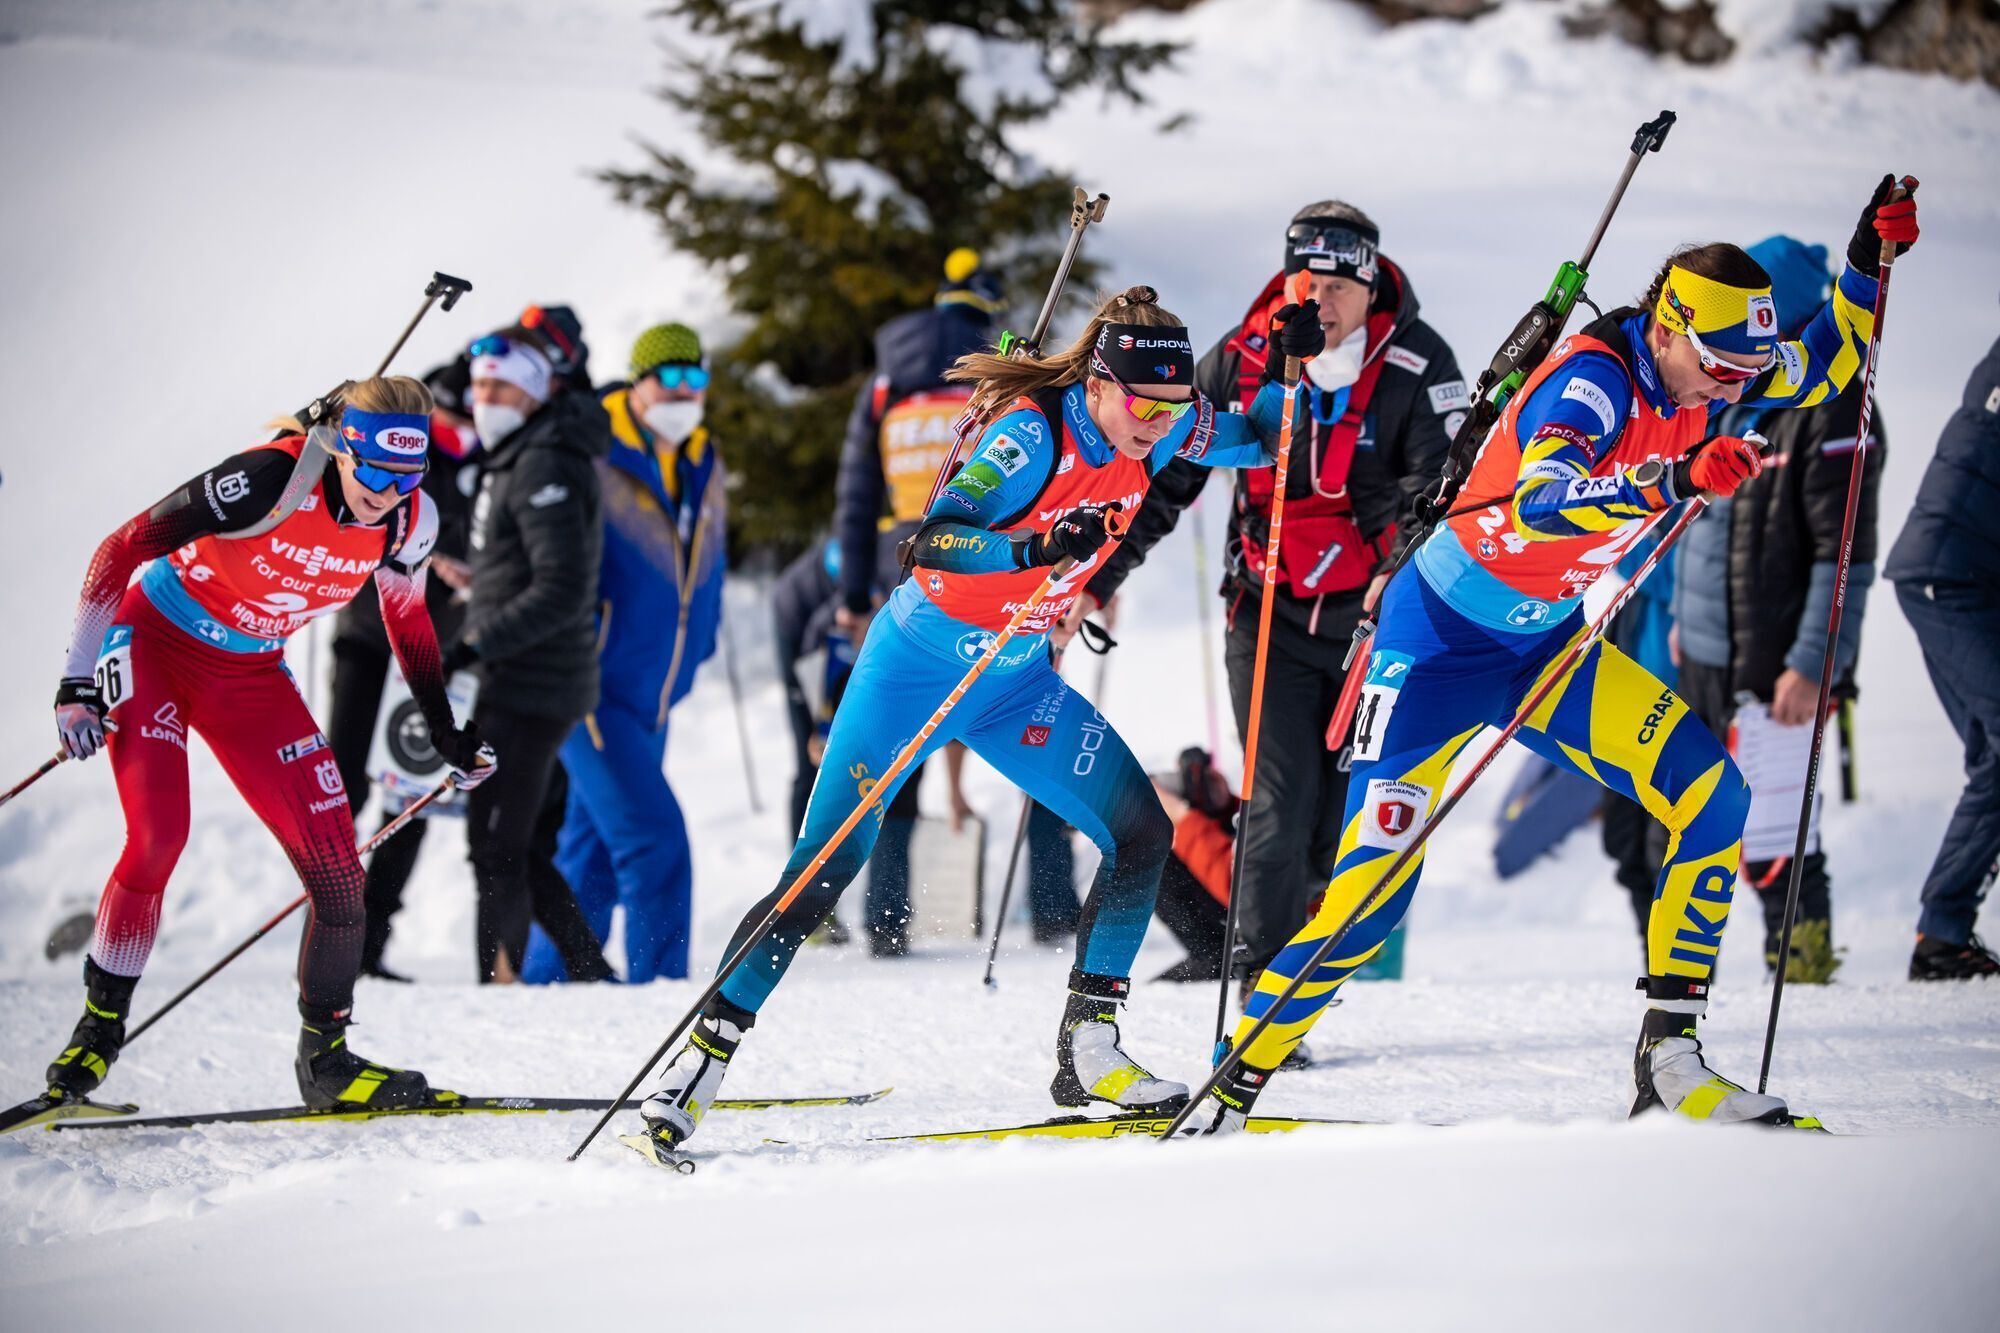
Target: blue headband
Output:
{"points": [[386, 437]]}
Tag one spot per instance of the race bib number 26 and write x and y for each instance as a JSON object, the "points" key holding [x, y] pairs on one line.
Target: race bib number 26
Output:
{"points": [[114, 667], [1387, 673]]}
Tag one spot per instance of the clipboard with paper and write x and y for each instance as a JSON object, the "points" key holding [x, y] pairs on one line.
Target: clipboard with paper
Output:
{"points": [[1773, 758]]}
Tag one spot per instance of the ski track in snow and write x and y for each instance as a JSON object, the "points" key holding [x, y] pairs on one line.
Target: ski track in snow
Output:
{"points": [[461, 137]]}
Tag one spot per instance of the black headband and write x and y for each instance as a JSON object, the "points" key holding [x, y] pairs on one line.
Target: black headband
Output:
{"points": [[1339, 246], [1146, 353]]}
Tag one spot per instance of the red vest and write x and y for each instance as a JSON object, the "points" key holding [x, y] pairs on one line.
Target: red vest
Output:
{"points": [[990, 600], [269, 585], [1323, 550], [1562, 567]]}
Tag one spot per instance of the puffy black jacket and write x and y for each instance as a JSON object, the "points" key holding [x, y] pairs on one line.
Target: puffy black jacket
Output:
{"points": [[912, 352], [1416, 402], [1953, 535], [537, 539], [1777, 528]]}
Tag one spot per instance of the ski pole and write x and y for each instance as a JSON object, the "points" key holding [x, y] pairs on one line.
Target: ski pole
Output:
{"points": [[48, 766], [1114, 522], [742, 727], [1264, 608], [382, 835], [1083, 210], [441, 284], [1007, 886], [1847, 525], [1554, 676]]}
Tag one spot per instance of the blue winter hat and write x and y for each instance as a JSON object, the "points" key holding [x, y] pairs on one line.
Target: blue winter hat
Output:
{"points": [[1799, 279]]}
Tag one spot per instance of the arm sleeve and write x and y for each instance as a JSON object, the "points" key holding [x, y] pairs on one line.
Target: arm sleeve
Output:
{"points": [[1001, 478], [858, 493], [1828, 352], [1807, 654], [414, 641], [233, 494], [1569, 422], [553, 537]]}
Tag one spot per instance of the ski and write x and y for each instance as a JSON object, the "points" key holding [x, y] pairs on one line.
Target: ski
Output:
{"points": [[452, 1103], [658, 1153], [47, 1109], [1138, 1124]]}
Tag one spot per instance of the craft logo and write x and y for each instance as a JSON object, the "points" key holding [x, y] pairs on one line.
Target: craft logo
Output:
{"points": [[1672, 301], [1658, 714], [328, 773], [299, 749], [1035, 736]]}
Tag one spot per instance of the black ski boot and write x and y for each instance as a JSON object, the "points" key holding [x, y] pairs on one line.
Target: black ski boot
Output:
{"points": [[1941, 960], [332, 1076], [1090, 1064], [99, 1035]]}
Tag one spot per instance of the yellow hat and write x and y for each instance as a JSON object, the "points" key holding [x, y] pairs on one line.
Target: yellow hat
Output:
{"points": [[1727, 319]]}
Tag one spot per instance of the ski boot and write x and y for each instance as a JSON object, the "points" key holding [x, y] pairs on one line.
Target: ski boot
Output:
{"points": [[331, 1076], [99, 1035], [1226, 1108], [1090, 1065], [1668, 1070], [691, 1081], [1941, 960]]}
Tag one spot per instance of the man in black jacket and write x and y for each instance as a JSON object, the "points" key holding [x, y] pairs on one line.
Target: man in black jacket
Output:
{"points": [[1946, 568], [1381, 406], [1754, 586], [537, 535]]}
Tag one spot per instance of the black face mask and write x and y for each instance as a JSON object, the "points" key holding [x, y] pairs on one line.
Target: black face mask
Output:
{"points": [[1147, 353]]}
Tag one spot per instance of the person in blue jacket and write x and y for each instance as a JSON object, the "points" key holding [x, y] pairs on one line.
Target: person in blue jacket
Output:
{"points": [[1066, 442], [624, 841]]}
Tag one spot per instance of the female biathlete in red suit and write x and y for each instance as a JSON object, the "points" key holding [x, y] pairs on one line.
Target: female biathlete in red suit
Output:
{"points": [[235, 562]]}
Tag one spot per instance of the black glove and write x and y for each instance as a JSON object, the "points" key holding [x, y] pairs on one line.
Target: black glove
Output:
{"points": [[1076, 534], [1295, 332], [1881, 221], [470, 760], [457, 658]]}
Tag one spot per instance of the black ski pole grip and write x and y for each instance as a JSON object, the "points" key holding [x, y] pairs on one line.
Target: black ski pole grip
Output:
{"points": [[1653, 133], [451, 288]]}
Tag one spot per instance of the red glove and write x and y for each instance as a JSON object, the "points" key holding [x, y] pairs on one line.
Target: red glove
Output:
{"points": [[1725, 463], [1884, 220]]}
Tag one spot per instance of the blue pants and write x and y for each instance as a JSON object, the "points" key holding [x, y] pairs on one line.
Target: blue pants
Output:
{"points": [[624, 843], [1958, 625], [1027, 723]]}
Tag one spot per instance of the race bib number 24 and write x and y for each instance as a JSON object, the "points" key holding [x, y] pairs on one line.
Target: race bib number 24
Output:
{"points": [[1387, 673]]}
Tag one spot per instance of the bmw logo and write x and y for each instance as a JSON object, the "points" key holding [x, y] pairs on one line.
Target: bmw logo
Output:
{"points": [[1530, 612], [973, 646], [211, 631]]}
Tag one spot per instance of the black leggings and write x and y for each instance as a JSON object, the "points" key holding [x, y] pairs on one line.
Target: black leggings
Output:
{"points": [[511, 826]]}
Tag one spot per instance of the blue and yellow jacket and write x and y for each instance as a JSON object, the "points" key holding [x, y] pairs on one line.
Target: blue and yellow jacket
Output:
{"points": [[660, 585]]}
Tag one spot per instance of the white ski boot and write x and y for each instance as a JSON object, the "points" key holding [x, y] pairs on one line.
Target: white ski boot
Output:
{"points": [[1226, 1108], [1668, 1070], [1091, 1066], [690, 1083]]}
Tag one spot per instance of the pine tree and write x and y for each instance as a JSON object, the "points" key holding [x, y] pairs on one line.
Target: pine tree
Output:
{"points": [[869, 138]]}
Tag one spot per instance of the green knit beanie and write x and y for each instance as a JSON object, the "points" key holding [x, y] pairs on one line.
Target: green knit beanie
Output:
{"points": [[665, 344]]}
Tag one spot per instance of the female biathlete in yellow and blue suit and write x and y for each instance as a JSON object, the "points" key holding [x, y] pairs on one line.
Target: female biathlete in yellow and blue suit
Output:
{"points": [[1595, 443], [1070, 438]]}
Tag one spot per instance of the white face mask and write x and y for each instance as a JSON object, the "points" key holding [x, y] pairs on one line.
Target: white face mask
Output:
{"points": [[1339, 365], [672, 420], [495, 422]]}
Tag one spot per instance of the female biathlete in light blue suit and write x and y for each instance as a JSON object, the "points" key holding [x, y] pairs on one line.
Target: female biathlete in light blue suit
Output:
{"points": [[1070, 438]]}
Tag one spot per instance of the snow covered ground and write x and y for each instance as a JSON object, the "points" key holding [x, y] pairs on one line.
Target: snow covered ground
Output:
{"points": [[214, 208]]}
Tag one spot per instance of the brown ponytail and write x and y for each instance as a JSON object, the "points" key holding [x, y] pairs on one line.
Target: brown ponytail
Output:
{"points": [[999, 380]]}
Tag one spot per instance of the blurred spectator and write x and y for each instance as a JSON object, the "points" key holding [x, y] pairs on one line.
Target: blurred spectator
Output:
{"points": [[361, 656], [1946, 568], [1755, 586], [659, 606], [1194, 886], [537, 539]]}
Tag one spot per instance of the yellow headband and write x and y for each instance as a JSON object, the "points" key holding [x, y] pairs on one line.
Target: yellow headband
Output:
{"points": [[1726, 318]]}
